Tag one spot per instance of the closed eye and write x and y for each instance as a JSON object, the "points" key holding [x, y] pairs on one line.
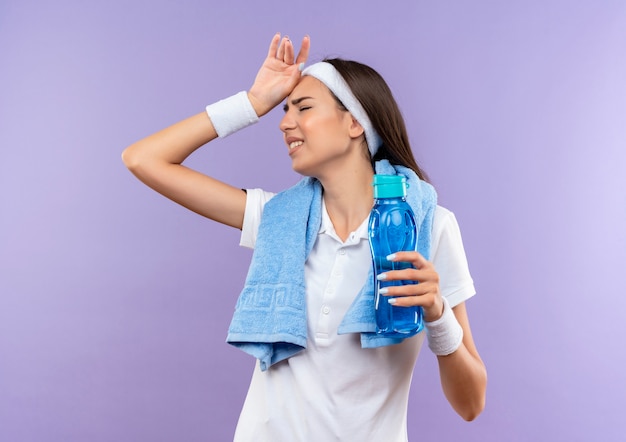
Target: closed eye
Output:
{"points": [[295, 102]]}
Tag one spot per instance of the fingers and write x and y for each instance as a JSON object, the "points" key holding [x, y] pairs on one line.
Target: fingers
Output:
{"points": [[282, 49], [304, 50], [425, 291], [271, 53], [424, 279], [414, 258], [280, 55], [424, 294], [422, 268], [289, 52], [409, 290]]}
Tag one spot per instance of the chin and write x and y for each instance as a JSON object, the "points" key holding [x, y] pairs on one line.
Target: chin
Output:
{"points": [[304, 171]]}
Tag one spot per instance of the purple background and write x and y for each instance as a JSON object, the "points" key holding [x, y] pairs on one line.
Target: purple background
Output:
{"points": [[114, 302]]}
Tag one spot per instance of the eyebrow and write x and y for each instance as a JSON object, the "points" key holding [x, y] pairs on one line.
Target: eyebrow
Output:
{"points": [[295, 102]]}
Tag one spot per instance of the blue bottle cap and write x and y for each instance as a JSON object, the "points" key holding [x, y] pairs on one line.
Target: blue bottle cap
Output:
{"points": [[389, 186]]}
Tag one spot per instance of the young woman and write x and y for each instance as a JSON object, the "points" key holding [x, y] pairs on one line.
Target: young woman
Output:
{"points": [[319, 376]]}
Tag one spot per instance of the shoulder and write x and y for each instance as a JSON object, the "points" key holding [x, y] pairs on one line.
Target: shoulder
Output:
{"points": [[258, 197], [449, 259], [255, 202], [443, 219], [445, 231]]}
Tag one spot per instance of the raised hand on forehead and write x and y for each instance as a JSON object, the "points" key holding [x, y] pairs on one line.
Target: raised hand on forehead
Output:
{"points": [[279, 73]]}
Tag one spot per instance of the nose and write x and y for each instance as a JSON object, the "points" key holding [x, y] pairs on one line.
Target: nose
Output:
{"points": [[287, 122]]}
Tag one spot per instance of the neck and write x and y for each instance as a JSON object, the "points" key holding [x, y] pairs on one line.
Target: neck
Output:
{"points": [[349, 198]]}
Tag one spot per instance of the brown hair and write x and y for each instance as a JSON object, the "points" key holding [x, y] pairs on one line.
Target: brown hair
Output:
{"points": [[369, 87]]}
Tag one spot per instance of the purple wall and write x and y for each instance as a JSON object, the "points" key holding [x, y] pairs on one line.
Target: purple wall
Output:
{"points": [[114, 302]]}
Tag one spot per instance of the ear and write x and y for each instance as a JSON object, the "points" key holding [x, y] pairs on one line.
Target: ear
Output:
{"points": [[356, 130]]}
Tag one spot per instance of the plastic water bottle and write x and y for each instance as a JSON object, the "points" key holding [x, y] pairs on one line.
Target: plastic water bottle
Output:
{"points": [[392, 229]]}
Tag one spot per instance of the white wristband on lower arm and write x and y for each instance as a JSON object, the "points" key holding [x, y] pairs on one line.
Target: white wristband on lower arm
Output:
{"points": [[232, 114], [445, 335]]}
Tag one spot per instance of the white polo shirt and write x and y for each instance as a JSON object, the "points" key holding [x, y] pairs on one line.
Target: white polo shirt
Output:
{"points": [[335, 390]]}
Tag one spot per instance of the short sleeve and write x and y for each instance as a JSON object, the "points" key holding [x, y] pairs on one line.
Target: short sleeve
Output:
{"points": [[255, 202], [448, 257]]}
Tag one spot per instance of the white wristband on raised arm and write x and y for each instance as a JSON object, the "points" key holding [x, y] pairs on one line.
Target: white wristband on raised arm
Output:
{"points": [[232, 114], [445, 335]]}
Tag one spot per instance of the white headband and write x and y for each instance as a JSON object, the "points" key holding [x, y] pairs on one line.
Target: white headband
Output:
{"points": [[332, 79]]}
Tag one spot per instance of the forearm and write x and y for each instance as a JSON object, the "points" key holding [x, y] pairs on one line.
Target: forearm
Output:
{"points": [[464, 381], [171, 145], [156, 161]]}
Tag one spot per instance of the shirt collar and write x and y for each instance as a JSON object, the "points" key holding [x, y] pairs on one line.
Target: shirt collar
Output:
{"points": [[328, 228]]}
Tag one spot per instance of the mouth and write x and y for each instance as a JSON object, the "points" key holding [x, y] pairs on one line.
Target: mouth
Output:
{"points": [[295, 144]]}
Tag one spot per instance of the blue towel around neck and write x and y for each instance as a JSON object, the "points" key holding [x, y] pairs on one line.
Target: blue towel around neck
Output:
{"points": [[270, 322]]}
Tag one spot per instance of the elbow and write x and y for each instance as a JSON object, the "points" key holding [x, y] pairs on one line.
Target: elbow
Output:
{"points": [[129, 158], [470, 403], [134, 160], [470, 408], [472, 412]]}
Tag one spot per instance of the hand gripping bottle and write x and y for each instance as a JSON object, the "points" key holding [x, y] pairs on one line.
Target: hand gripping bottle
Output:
{"points": [[392, 229]]}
